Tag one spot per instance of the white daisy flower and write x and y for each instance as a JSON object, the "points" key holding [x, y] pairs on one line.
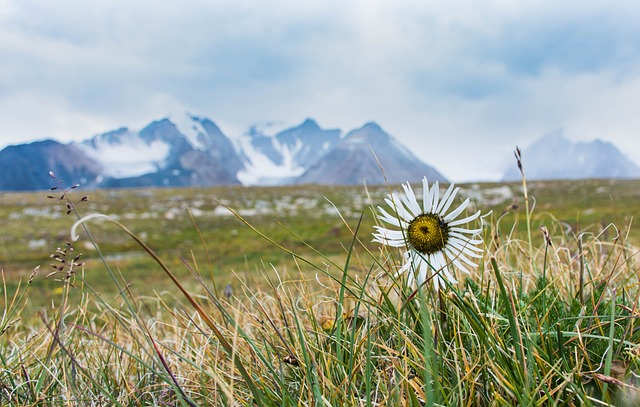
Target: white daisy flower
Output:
{"points": [[434, 238]]}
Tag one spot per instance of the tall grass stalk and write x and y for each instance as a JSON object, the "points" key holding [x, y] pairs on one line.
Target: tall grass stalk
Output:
{"points": [[518, 155]]}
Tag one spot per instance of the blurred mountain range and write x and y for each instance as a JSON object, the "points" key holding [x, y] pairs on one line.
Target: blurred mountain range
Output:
{"points": [[553, 156], [188, 150]]}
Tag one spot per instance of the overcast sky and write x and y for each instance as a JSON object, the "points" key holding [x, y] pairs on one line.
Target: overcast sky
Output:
{"points": [[459, 82]]}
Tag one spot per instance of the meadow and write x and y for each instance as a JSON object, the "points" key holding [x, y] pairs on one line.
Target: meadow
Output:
{"points": [[278, 296]]}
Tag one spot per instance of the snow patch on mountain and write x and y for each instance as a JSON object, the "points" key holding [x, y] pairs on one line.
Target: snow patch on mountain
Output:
{"points": [[126, 156], [191, 128], [261, 170]]}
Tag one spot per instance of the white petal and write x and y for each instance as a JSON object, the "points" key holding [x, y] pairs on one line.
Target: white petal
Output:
{"points": [[473, 251], [449, 275], [464, 245], [392, 204], [392, 243], [460, 266], [435, 194], [410, 200], [396, 204], [467, 252], [454, 213], [408, 267], [455, 235], [404, 267], [436, 282], [387, 217], [472, 232], [422, 269], [445, 196], [435, 276], [436, 262], [464, 220], [455, 256], [467, 245], [407, 263], [388, 233], [410, 279], [426, 196], [442, 267], [387, 242], [450, 261], [444, 205], [434, 273]]}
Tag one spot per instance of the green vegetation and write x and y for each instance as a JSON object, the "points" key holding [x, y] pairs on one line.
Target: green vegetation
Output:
{"points": [[316, 315]]}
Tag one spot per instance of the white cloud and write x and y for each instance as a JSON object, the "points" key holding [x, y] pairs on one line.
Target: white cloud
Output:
{"points": [[41, 115]]}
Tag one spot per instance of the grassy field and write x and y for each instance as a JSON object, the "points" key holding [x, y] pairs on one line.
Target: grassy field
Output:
{"points": [[315, 316], [193, 223]]}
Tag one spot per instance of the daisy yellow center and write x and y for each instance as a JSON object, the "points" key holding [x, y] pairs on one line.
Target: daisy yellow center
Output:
{"points": [[428, 233]]}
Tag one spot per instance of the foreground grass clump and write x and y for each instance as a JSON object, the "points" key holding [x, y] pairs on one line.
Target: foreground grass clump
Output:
{"points": [[550, 323]]}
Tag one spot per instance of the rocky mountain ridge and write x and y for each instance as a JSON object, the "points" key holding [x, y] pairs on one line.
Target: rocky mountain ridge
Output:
{"points": [[188, 150]]}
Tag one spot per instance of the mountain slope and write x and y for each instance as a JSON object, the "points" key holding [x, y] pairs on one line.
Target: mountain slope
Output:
{"points": [[555, 157], [352, 161], [26, 167]]}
